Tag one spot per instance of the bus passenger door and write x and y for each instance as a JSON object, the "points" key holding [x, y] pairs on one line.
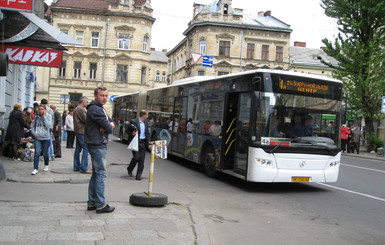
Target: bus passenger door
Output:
{"points": [[236, 136], [179, 137]]}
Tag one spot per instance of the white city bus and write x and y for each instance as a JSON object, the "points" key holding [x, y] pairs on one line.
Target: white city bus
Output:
{"points": [[260, 126]]}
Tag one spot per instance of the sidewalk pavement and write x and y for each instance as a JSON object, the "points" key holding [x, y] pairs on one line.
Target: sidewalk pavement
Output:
{"points": [[70, 223], [365, 155]]}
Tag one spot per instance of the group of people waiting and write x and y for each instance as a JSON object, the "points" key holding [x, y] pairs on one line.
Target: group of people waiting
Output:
{"points": [[350, 138], [43, 126]]}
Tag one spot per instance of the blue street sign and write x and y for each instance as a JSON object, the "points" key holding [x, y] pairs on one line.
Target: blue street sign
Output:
{"points": [[112, 98], [383, 105], [208, 61]]}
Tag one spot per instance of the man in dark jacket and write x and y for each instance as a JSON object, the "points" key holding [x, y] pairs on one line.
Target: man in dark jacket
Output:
{"points": [[98, 126], [56, 131], [139, 126]]}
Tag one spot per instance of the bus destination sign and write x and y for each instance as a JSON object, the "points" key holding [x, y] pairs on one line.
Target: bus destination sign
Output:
{"points": [[304, 87]]}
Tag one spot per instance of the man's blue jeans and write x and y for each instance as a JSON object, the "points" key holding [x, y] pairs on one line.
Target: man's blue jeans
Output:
{"points": [[80, 145], [98, 177], [39, 145]]}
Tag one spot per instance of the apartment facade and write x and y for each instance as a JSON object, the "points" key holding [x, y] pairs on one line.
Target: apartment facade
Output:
{"points": [[115, 52], [231, 40]]}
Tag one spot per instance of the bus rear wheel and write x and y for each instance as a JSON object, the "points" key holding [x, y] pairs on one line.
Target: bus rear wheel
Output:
{"points": [[208, 162]]}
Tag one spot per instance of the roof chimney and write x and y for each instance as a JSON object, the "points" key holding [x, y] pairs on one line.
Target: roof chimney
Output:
{"points": [[300, 44], [164, 50], [267, 13], [261, 13], [152, 49]]}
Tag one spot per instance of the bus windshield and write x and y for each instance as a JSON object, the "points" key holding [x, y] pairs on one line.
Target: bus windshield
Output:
{"points": [[292, 122]]}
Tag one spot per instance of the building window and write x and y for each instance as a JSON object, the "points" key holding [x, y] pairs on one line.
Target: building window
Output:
{"points": [[145, 44], [265, 52], [75, 97], [124, 41], [62, 69], [126, 2], [279, 54], [79, 37], [225, 9], [143, 78], [250, 51], [201, 73], [202, 46], [77, 69], [157, 77], [95, 40], [93, 69], [221, 73], [121, 73], [224, 48], [164, 76]]}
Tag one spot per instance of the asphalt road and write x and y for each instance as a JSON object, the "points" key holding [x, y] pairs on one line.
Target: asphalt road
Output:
{"points": [[351, 211]]}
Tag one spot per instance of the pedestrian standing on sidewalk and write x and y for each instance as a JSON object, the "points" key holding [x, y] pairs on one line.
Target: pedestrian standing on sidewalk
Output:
{"points": [[70, 129], [79, 116], [139, 126], [344, 137], [349, 147], [65, 114], [41, 131], [356, 138], [15, 130], [98, 126], [56, 131], [51, 153]]}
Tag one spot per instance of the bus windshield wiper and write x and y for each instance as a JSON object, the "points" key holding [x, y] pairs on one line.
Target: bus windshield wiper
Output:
{"points": [[276, 147]]}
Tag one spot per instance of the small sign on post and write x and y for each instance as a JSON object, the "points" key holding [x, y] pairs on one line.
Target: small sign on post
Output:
{"points": [[208, 61]]}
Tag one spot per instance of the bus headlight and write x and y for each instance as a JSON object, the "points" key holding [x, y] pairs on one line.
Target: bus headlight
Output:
{"points": [[264, 162], [334, 163]]}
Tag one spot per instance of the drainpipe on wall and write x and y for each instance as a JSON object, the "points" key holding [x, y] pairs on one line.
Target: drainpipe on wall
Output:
{"points": [[104, 51], [240, 65]]}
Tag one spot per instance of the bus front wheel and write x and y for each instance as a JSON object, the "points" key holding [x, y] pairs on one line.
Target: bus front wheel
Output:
{"points": [[208, 162]]}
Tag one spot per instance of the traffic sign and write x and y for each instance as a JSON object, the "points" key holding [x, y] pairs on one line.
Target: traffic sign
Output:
{"points": [[195, 56], [112, 98], [208, 61], [383, 105]]}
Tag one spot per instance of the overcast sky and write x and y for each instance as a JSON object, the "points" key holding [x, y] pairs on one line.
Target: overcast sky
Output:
{"points": [[306, 18]]}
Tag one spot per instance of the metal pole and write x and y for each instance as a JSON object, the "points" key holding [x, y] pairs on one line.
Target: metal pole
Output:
{"points": [[151, 171]]}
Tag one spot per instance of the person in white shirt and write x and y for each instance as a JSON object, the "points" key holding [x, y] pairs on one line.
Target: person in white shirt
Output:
{"points": [[215, 129], [70, 129]]}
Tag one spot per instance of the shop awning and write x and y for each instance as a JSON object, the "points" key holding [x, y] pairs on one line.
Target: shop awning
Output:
{"points": [[27, 29]]}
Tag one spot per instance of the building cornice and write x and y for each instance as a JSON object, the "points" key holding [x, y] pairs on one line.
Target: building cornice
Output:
{"points": [[231, 25], [109, 13]]}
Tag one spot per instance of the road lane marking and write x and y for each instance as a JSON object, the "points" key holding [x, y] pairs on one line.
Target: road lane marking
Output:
{"points": [[376, 170], [353, 192]]}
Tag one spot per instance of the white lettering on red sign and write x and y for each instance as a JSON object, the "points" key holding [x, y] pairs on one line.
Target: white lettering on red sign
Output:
{"points": [[33, 56]]}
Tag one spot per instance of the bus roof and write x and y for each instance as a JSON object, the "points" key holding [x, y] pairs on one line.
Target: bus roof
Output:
{"points": [[198, 79]]}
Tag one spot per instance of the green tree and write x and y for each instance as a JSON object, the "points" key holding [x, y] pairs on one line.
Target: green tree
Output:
{"points": [[360, 52]]}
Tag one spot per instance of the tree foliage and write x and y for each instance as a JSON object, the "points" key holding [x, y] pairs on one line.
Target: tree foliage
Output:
{"points": [[360, 51]]}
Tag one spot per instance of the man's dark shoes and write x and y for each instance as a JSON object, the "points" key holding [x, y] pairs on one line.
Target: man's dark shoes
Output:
{"points": [[138, 178], [130, 173], [106, 209], [91, 208]]}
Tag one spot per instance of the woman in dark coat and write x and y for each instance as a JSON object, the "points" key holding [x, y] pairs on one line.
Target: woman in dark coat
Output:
{"points": [[15, 129]]}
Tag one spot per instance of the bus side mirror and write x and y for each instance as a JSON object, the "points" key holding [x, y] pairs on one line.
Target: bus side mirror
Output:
{"points": [[256, 81]]}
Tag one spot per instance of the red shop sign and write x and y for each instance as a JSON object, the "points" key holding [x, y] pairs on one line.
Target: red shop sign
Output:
{"points": [[24, 5], [33, 56]]}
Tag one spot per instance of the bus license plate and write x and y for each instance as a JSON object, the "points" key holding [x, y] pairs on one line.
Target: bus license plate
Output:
{"points": [[300, 179]]}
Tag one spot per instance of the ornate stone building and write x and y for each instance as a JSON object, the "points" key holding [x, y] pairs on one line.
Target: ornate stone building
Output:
{"points": [[116, 53], [236, 41]]}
